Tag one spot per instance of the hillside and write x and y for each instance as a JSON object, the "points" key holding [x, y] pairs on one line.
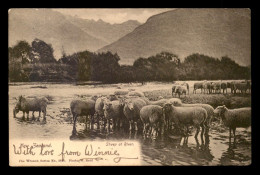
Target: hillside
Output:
{"points": [[67, 32], [213, 32]]}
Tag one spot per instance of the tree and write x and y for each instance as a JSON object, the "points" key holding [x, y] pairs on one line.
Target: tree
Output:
{"points": [[42, 52], [20, 52]]}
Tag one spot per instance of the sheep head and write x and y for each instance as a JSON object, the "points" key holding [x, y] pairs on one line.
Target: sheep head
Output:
{"points": [[94, 97], [167, 107], [129, 104], [220, 110], [107, 106], [20, 98]]}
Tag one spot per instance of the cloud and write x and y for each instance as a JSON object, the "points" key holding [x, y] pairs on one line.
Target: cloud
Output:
{"points": [[114, 15]]}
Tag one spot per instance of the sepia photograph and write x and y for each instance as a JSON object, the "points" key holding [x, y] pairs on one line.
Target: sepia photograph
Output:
{"points": [[129, 87]]}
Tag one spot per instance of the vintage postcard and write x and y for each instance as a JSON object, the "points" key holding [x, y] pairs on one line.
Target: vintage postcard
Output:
{"points": [[129, 86]]}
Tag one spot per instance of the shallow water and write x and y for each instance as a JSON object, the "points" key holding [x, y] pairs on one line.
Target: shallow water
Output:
{"points": [[212, 150]]}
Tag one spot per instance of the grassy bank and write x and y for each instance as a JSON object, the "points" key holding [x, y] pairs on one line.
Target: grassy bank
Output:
{"points": [[230, 100]]}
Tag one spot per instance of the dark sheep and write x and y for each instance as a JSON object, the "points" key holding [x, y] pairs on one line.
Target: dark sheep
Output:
{"points": [[241, 86], [180, 90], [206, 87], [36, 104], [197, 86], [224, 87]]}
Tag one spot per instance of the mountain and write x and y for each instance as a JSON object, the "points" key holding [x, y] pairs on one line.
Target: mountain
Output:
{"points": [[64, 32], [102, 30], [212, 32]]}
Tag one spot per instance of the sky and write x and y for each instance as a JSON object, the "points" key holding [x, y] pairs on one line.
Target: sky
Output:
{"points": [[114, 15]]}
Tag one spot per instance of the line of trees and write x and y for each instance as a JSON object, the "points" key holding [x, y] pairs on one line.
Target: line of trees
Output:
{"points": [[36, 62]]}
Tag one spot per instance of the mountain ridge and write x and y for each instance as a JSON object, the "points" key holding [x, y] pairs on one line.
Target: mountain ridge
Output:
{"points": [[213, 32], [61, 31]]}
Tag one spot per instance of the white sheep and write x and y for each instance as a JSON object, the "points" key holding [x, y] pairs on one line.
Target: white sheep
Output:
{"points": [[152, 118], [132, 109], [121, 92], [113, 111], [234, 118], [136, 93], [99, 111], [185, 117], [161, 102], [207, 107], [82, 108]]}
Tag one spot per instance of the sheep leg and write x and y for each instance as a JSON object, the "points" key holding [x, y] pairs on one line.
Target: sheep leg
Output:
{"points": [[114, 124], [23, 116], [130, 125], [108, 125], [230, 135], [44, 115], [136, 128], [28, 116], [161, 127], [104, 123], [74, 132], [39, 116], [98, 121], [153, 134], [150, 131], [234, 133], [197, 131], [144, 130], [92, 121], [33, 118], [202, 131]]}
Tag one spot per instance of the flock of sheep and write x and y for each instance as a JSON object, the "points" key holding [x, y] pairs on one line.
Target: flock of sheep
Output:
{"points": [[132, 109], [213, 87]]}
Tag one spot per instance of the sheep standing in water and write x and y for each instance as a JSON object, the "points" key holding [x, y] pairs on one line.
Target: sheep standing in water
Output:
{"points": [[152, 118], [99, 111], [36, 104], [207, 107], [234, 118], [82, 108], [113, 111], [183, 117], [132, 109]]}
